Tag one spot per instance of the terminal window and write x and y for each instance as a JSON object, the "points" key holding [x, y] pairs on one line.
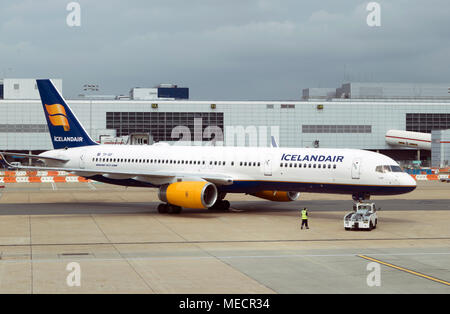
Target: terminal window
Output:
{"points": [[161, 124], [336, 128], [425, 122]]}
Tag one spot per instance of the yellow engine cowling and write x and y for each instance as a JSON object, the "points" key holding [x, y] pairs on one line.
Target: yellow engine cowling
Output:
{"points": [[189, 194], [278, 196]]}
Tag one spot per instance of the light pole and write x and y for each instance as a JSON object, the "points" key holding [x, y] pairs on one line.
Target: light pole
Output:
{"points": [[91, 88]]}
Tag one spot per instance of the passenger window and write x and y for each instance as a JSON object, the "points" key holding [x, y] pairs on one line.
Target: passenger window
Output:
{"points": [[334, 166]]}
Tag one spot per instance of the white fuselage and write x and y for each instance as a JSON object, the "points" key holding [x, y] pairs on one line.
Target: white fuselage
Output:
{"points": [[253, 169]]}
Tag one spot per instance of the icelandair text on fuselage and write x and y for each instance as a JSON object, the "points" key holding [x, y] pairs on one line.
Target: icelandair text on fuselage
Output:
{"points": [[67, 139], [320, 158]]}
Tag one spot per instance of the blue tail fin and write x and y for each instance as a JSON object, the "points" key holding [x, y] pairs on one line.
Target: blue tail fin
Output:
{"points": [[65, 129]]}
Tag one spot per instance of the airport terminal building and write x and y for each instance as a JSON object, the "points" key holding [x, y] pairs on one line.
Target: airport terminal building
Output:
{"points": [[355, 115]]}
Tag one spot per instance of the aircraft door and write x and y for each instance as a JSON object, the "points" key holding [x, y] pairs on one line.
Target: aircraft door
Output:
{"points": [[356, 168], [267, 165], [82, 161]]}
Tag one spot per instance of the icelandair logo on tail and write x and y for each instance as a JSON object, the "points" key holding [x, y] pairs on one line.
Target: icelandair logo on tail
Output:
{"points": [[57, 116]]}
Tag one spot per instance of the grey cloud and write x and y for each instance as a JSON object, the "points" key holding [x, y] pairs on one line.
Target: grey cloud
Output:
{"points": [[254, 49]]}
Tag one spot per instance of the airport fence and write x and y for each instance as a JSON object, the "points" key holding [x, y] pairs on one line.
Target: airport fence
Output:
{"points": [[40, 177]]}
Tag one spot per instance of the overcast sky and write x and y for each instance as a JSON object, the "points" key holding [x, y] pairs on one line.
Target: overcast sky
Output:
{"points": [[229, 49]]}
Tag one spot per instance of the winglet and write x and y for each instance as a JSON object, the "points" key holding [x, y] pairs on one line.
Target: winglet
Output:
{"points": [[274, 142]]}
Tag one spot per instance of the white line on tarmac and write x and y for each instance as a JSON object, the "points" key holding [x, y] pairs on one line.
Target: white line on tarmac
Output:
{"points": [[150, 258]]}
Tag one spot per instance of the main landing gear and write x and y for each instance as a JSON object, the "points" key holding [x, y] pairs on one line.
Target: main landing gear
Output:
{"points": [[168, 209], [220, 206]]}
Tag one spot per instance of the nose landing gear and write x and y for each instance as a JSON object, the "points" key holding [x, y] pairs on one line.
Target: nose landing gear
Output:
{"points": [[360, 197]]}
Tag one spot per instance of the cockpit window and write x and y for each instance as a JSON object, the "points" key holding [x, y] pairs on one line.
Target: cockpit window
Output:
{"points": [[396, 169], [386, 168]]}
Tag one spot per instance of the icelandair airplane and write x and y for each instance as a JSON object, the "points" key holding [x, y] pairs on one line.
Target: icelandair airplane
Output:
{"points": [[200, 177]]}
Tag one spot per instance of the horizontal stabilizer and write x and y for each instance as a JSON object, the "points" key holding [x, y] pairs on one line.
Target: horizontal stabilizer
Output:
{"points": [[32, 156]]}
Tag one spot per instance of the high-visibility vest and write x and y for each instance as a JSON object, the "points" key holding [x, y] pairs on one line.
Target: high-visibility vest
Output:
{"points": [[304, 214]]}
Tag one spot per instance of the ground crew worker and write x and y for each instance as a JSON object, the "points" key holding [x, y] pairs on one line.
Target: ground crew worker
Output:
{"points": [[304, 218]]}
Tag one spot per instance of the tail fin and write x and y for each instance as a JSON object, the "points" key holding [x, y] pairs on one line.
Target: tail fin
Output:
{"points": [[65, 129]]}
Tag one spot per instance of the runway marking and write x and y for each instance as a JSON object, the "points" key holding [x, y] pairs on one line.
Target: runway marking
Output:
{"points": [[406, 270]]}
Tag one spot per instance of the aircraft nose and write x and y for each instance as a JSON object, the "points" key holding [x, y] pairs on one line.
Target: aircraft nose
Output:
{"points": [[410, 181]]}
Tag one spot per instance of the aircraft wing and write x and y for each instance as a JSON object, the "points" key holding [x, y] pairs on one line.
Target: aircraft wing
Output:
{"points": [[148, 176]]}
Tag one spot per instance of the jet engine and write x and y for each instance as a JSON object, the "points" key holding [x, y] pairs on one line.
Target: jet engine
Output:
{"points": [[278, 196], [189, 194]]}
